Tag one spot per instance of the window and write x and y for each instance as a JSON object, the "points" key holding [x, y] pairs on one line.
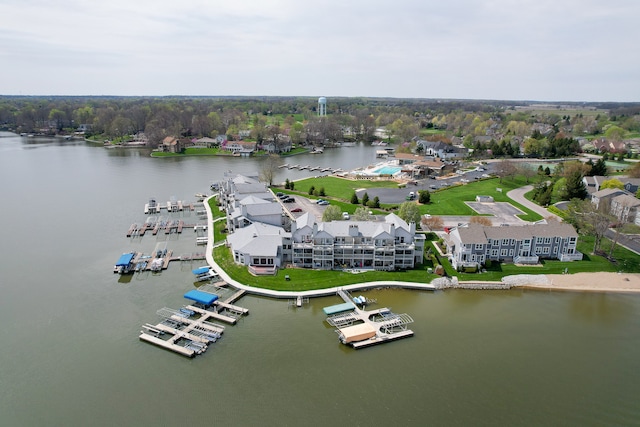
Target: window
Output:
{"points": [[510, 252], [545, 250], [494, 252], [547, 240], [479, 247], [505, 242], [504, 252]]}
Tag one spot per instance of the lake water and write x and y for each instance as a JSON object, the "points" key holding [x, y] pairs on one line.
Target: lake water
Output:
{"points": [[70, 354]]}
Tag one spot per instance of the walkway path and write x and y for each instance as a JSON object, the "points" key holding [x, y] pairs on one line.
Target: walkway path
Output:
{"points": [[518, 196]]}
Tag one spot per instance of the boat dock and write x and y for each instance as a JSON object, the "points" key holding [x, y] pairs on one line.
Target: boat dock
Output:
{"points": [[188, 337], [360, 328], [189, 331], [159, 224]]}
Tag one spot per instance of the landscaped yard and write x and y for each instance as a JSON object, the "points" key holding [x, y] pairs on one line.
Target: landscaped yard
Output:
{"points": [[302, 279]]}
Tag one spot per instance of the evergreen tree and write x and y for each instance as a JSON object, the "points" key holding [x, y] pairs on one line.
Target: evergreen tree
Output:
{"points": [[321, 193], [365, 199], [575, 188], [424, 197], [375, 203], [311, 189], [354, 199], [599, 168], [286, 183]]}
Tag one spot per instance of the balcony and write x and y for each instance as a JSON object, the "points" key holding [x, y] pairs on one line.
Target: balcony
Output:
{"points": [[526, 259]]}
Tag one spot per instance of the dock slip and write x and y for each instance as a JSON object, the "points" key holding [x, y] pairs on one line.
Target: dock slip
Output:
{"points": [[189, 330], [360, 328]]}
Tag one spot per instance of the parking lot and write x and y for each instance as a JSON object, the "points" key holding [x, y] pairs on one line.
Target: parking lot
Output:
{"points": [[305, 205]]}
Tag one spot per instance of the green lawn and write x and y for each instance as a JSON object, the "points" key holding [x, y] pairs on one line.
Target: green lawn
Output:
{"points": [[339, 188], [450, 201], [215, 209], [307, 279]]}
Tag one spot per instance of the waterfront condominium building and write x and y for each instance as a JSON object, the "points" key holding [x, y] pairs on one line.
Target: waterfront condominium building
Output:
{"points": [[380, 245]]}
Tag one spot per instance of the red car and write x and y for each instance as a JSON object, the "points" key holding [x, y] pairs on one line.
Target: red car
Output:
{"points": [[296, 210]]}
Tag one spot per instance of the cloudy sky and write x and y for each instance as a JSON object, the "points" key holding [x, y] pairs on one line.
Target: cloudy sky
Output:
{"points": [[548, 50]]}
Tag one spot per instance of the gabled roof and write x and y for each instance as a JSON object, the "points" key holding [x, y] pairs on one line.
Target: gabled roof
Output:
{"points": [[608, 192], [258, 239], [626, 200]]}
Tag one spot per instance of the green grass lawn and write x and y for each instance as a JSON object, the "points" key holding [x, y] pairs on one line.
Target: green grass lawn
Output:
{"points": [[302, 279], [450, 201], [339, 188], [218, 235], [215, 208]]}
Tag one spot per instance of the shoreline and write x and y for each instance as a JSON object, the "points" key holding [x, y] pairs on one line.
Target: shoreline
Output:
{"points": [[604, 282], [589, 282]]}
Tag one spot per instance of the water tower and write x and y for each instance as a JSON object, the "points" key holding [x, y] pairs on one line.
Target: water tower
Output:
{"points": [[322, 106]]}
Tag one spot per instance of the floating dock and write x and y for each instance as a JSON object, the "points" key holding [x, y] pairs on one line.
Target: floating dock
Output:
{"points": [[189, 331], [360, 328]]}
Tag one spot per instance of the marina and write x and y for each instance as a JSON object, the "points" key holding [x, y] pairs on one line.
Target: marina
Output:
{"points": [[359, 328], [190, 330]]}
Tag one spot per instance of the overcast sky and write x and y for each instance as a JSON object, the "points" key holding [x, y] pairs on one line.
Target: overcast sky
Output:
{"points": [[548, 50]]}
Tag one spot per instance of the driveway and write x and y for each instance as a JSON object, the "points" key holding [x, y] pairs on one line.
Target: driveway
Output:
{"points": [[518, 196]]}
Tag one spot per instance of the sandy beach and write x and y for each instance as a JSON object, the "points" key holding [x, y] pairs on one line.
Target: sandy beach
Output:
{"points": [[595, 282]]}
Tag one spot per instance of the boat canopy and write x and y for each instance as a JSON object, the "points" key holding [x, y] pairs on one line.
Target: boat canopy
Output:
{"points": [[339, 308], [201, 297], [125, 260], [358, 332], [201, 270]]}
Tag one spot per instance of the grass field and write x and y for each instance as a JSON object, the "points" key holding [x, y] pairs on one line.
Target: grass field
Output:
{"points": [[339, 188], [451, 200]]}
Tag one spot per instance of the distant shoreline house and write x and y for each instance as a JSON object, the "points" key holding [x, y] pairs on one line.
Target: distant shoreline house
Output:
{"points": [[171, 144], [474, 245]]}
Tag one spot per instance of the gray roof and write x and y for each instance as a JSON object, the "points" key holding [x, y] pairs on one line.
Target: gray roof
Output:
{"points": [[476, 233], [608, 192], [626, 200], [258, 239]]}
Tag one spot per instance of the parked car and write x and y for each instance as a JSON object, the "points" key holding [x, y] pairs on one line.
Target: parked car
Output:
{"points": [[296, 210], [345, 215], [289, 200], [323, 203], [319, 201]]}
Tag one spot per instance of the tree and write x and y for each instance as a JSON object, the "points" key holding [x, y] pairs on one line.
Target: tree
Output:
{"points": [[634, 171], [599, 168], [432, 222], [424, 197], [354, 199], [612, 183], [365, 199], [482, 220], [287, 183], [361, 214], [321, 192], [505, 168], [409, 212], [311, 189], [268, 169], [332, 213], [291, 185], [589, 219], [615, 133], [376, 203], [575, 188]]}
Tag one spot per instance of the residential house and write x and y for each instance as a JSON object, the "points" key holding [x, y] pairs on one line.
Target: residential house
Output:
{"points": [[474, 245], [625, 208], [593, 183], [604, 145], [442, 150], [631, 184], [606, 194], [171, 144], [420, 166], [232, 190]]}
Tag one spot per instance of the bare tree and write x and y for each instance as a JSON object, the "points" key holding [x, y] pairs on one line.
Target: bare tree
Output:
{"points": [[505, 168], [269, 168], [482, 220], [432, 222]]}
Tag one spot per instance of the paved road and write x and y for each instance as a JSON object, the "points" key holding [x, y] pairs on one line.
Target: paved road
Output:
{"points": [[518, 196]]}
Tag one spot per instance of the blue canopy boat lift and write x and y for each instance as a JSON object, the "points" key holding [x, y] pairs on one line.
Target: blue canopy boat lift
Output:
{"points": [[124, 264]]}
